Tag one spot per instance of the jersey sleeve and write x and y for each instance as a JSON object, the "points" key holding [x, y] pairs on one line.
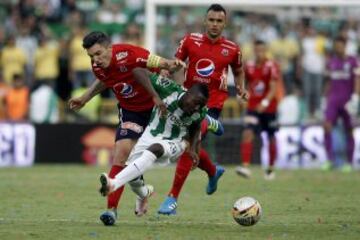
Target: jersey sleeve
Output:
{"points": [[182, 52], [141, 56], [237, 60], [163, 86]]}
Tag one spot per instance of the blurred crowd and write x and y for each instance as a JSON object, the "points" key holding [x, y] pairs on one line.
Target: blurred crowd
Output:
{"points": [[43, 63]]}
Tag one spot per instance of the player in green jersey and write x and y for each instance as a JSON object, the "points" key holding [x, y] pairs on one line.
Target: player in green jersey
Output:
{"points": [[168, 133]]}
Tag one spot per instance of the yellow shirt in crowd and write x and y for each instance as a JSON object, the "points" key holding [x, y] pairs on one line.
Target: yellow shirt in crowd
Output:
{"points": [[79, 61], [47, 61], [13, 61]]}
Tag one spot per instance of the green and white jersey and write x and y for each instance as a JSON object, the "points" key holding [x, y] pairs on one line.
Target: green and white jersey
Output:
{"points": [[175, 124]]}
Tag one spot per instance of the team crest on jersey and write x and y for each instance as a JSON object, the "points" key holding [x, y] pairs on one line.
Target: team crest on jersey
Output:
{"points": [[205, 67], [225, 52], [123, 89], [121, 55], [163, 81]]}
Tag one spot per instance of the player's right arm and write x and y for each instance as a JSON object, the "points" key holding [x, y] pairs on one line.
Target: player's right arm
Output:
{"points": [[142, 76], [77, 103]]}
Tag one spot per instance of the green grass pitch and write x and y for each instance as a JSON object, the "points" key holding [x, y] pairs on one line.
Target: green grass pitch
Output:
{"points": [[62, 202]]}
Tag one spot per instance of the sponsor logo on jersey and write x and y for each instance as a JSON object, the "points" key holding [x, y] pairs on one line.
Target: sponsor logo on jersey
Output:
{"points": [[259, 88], [205, 67], [225, 52], [124, 89], [197, 43], [121, 55]]}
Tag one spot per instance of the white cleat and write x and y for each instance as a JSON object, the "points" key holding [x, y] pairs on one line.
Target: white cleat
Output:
{"points": [[141, 204], [243, 171], [106, 186], [269, 176]]}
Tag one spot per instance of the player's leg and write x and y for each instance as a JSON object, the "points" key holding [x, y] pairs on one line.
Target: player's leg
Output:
{"points": [[331, 113], [251, 121], [183, 168], [349, 140], [269, 125], [130, 129]]}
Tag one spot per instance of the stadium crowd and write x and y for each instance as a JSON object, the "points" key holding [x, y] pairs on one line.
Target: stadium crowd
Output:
{"points": [[42, 56]]}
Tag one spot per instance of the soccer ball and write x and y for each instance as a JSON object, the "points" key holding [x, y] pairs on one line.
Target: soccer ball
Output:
{"points": [[246, 211]]}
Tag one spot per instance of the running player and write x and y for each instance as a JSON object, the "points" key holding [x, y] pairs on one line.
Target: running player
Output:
{"points": [[209, 55], [343, 95], [165, 137], [112, 65], [261, 76]]}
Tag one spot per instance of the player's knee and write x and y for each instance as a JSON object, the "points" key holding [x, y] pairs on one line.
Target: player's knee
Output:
{"points": [[247, 135], [121, 155], [156, 149]]}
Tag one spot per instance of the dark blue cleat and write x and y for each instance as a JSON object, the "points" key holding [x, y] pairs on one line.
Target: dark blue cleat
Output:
{"points": [[109, 217], [215, 126], [168, 207], [213, 181]]}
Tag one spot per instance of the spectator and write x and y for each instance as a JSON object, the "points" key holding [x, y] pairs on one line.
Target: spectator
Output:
{"points": [[13, 60], [17, 100], [46, 62], [3, 92]]}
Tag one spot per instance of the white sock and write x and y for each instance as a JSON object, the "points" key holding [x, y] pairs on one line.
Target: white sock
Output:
{"points": [[138, 187], [134, 169]]}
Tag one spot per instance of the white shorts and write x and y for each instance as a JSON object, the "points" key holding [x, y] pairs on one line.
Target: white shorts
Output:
{"points": [[172, 148]]}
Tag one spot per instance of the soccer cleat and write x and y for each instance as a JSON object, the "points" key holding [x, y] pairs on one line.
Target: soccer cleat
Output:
{"points": [[106, 186], [327, 166], [109, 217], [141, 204], [269, 176], [212, 185], [214, 126], [168, 207], [243, 171], [346, 168]]}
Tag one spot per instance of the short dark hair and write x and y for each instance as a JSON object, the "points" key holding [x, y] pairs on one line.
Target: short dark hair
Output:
{"points": [[202, 88], [95, 37], [340, 39], [259, 42], [216, 8]]}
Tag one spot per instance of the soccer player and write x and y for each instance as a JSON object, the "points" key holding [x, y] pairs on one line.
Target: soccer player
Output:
{"points": [[165, 137], [261, 75], [342, 95], [209, 56], [112, 65]]}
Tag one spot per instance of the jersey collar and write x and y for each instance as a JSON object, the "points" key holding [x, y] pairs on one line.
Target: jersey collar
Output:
{"points": [[208, 40]]}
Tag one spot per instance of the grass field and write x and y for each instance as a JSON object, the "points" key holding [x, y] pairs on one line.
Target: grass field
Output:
{"points": [[62, 202]]}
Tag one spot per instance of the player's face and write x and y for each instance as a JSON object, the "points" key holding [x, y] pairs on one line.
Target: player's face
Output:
{"points": [[215, 23], [100, 54], [193, 102], [260, 52], [339, 48]]}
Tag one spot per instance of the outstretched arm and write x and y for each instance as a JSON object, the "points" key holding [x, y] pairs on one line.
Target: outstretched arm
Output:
{"points": [[142, 75], [194, 142], [77, 103]]}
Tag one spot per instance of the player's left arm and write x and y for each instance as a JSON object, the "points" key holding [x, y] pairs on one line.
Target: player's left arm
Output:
{"points": [[265, 102], [239, 76], [142, 76], [194, 142]]}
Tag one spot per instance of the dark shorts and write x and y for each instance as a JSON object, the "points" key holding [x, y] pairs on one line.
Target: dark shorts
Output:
{"points": [[132, 124], [261, 122], [214, 112]]}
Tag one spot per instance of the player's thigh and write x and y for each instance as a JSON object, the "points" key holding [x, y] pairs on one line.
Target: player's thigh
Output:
{"points": [[131, 127], [269, 123], [251, 126], [331, 112]]}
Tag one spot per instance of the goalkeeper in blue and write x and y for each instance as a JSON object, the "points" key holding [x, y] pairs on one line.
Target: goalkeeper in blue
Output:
{"points": [[174, 127]]}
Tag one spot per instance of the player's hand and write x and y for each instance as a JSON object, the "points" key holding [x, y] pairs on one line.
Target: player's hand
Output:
{"points": [[352, 105], [176, 65], [76, 103], [242, 93], [195, 158], [161, 105]]}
